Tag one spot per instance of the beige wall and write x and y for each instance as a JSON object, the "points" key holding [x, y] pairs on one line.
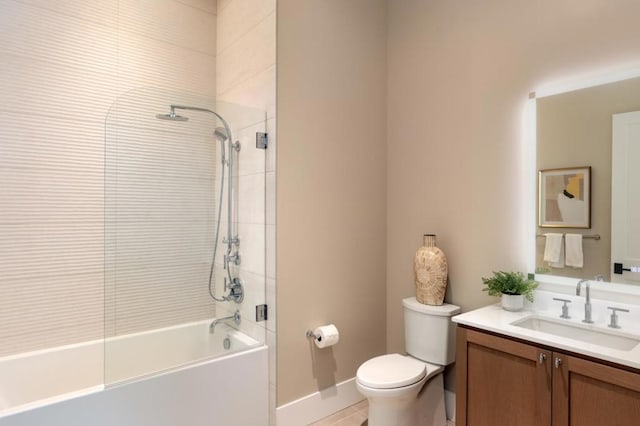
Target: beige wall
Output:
{"points": [[459, 75], [331, 180], [573, 130]]}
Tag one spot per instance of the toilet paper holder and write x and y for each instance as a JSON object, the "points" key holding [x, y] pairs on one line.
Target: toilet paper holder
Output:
{"points": [[324, 336], [310, 333]]}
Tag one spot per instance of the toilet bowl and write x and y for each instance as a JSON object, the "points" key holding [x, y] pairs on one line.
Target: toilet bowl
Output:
{"points": [[408, 390], [397, 387]]}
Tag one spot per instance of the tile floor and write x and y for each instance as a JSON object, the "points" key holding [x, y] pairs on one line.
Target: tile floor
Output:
{"points": [[356, 415]]}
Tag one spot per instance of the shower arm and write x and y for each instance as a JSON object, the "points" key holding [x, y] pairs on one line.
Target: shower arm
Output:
{"points": [[230, 238]]}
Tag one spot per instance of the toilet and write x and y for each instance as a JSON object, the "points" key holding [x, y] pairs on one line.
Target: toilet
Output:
{"points": [[408, 390]]}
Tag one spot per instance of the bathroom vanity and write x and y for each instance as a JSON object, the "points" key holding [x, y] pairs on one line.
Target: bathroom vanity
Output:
{"points": [[535, 368]]}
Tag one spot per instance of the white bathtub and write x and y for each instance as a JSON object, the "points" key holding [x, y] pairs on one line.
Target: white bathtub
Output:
{"points": [[170, 376]]}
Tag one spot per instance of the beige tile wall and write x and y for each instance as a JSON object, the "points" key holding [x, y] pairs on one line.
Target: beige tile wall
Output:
{"points": [[246, 64], [62, 65]]}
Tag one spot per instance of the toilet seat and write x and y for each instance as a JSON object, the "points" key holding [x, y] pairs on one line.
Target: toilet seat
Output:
{"points": [[394, 371]]}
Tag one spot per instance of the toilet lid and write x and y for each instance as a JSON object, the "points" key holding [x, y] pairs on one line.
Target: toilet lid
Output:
{"points": [[391, 371]]}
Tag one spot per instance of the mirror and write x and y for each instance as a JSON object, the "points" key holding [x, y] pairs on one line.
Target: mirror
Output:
{"points": [[574, 130]]}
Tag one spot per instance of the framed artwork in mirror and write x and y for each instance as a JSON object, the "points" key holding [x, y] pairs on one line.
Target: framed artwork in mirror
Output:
{"points": [[564, 197]]}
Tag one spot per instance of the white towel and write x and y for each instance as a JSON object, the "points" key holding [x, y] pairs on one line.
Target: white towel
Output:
{"points": [[553, 250], [573, 250]]}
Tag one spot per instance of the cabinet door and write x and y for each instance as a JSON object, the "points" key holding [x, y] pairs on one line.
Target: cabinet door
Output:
{"points": [[586, 393], [501, 382]]}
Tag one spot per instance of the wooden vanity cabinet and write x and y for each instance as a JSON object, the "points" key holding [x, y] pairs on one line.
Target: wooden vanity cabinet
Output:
{"points": [[501, 381], [504, 382], [590, 393]]}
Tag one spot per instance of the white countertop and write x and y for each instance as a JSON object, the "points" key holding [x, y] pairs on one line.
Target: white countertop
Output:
{"points": [[495, 319]]}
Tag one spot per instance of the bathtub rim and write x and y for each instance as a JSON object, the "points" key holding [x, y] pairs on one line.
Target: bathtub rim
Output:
{"points": [[104, 341]]}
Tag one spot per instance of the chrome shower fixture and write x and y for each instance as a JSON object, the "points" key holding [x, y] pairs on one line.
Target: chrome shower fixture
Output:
{"points": [[222, 134], [172, 116]]}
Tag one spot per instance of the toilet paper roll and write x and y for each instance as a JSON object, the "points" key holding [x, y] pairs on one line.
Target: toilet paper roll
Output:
{"points": [[327, 335]]}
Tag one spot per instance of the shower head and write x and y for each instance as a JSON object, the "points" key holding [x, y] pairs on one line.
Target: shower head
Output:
{"points": [[221, 134], [172, 116]]}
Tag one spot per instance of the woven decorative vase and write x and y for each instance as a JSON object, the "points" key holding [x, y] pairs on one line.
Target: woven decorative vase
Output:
{"points": [[430, 272]]}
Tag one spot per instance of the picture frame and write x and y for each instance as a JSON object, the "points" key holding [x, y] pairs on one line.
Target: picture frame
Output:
{"points": [[564, 197]]}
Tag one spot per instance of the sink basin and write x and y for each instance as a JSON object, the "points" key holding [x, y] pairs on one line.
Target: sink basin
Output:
{"points": [[582, 333]]}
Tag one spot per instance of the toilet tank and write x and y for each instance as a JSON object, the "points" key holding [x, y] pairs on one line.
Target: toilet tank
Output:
{"points": [[429, 332]]}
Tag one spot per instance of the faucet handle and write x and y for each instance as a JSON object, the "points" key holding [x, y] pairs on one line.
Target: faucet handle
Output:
{"points": [[565, 307], [614, 316]]}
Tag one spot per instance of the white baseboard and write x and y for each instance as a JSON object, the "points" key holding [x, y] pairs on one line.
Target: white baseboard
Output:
{"points": [[450, 405], [318, 405]]}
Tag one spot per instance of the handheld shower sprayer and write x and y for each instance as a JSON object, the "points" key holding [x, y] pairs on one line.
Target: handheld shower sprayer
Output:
{"points": [[221, 135]]}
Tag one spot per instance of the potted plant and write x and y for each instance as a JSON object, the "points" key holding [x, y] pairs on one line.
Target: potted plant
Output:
{"points": [[513, 287]]}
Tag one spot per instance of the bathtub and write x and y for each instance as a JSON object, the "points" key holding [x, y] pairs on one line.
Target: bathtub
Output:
{"points": [[180, 375]]}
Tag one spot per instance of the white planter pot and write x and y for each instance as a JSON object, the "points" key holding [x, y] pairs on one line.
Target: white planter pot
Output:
{"points": [[512, 302]]}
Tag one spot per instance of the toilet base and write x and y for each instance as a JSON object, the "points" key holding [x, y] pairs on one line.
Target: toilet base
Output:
{"points": [[427, 409]]}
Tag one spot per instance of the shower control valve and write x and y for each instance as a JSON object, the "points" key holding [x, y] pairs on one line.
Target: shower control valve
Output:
{"points": [[235, 241], [232, 258], [236, 290]]}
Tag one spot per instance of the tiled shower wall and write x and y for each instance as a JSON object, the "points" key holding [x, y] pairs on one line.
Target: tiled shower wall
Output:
{"points": [[246, 75], [63, 64]]}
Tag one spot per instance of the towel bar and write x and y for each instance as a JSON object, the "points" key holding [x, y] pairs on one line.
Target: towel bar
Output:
{"points": [[586, 237]]}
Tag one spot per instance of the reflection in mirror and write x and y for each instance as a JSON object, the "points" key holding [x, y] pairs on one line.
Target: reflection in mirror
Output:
{"points": [[575, 129]]}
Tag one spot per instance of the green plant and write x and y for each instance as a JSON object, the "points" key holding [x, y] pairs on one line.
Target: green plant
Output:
{"points": [[509, 283]]}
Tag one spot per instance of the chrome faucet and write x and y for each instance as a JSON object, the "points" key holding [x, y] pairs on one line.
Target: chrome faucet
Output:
{"points": [[587, 302], [235, 318]]}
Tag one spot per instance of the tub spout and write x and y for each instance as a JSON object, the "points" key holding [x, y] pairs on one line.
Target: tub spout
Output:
{"points": [[235, 318]]}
